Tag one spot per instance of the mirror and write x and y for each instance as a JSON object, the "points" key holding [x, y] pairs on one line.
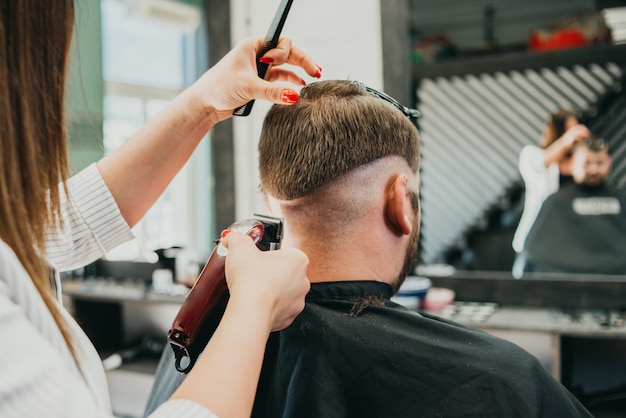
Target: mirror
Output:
{"points": [[483, 97], [477, 116]]}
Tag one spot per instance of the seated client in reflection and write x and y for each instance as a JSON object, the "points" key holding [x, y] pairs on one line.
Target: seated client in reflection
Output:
{"points": [[341, 167], [582, 227]]}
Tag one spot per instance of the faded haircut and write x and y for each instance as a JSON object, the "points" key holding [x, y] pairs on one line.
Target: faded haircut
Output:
{"points": [[336, 127], [593, 144]]}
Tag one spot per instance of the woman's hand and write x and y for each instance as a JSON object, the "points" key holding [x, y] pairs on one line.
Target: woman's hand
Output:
{"points": [[559, 151], [575, 134], [266, 281], [267, 290], [234, 81]]}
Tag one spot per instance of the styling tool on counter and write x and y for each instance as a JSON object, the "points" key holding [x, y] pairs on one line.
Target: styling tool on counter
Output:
{"points": [[412, 292], [149, 346], [189, 333], [270, 42]]}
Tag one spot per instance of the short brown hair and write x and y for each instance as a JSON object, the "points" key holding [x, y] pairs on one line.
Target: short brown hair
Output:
{"points": [[593, 144], [336, 127]]}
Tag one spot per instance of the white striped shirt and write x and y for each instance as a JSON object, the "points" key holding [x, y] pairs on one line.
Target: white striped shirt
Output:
{"points": [[38, 376]]}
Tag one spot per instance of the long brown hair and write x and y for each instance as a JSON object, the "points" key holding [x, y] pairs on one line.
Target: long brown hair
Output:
{"points": [[555, 127], [35, 38]]}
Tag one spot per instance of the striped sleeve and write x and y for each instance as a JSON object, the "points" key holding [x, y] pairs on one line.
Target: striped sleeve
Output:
{"points": [[92, 223]]}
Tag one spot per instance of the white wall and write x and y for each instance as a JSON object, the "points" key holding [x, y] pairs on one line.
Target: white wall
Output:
{"points": [[343, 37]]}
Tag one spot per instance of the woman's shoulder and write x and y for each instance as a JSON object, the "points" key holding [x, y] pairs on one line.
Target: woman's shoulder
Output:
{"points": [[11, 270], [532, 163], [8, 260], [531, 151]]}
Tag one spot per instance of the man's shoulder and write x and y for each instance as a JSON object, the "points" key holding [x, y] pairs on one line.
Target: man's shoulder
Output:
{"points": [[404, 329], [617, 191], [413, 352], [381, 328]]}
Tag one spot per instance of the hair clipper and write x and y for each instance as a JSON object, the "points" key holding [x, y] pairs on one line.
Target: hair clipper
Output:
{"points": [[188, 335]]}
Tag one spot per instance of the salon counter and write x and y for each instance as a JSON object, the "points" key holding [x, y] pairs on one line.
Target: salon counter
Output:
{"points": [[596, 323], [572, 291]]}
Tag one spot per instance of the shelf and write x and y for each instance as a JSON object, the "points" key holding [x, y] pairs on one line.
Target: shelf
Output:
{"points": [[523, 60]]}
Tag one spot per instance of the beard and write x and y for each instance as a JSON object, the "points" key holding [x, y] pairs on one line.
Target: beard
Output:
{"points": [[410, 257], [593, 180]]}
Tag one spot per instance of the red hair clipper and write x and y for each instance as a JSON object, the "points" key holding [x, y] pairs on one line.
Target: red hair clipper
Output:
{"points": [[188, 335]]}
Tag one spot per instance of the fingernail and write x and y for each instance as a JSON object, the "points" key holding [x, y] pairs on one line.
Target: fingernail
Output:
{"points": [[266, 60], [302, 82], [289, 96], [225, 232], [318, 73]]}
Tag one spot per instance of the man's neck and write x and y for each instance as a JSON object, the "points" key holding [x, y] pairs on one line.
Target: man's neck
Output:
{"points": [[378, 258]]}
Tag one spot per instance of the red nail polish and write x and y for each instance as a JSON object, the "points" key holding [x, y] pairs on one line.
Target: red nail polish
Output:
{"points": [[302, 82], [266, 60], [289, 96], [225, 232], [318, 73]]}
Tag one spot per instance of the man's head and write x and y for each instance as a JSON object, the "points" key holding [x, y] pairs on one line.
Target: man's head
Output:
{"points": [[341, 157], [591, 162]]}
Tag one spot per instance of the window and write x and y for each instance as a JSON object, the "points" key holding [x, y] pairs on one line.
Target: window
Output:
{"points": [[146, 63]]}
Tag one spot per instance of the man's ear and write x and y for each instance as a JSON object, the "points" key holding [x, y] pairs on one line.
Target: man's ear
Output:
{"points": [[396, 204]]}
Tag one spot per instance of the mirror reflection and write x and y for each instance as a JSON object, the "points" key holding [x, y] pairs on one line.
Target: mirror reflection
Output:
{"points": [[480, 109]]}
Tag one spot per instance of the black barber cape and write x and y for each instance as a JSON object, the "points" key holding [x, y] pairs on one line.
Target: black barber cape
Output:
{"points": [[579, 229], [354, 353]]}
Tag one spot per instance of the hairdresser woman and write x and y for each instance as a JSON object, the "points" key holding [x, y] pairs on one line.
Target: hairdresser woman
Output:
{"points": [[48, 366]]}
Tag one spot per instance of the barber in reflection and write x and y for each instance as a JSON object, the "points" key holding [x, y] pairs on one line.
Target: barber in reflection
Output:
{"points": [[544, 169], [582, 227]]}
